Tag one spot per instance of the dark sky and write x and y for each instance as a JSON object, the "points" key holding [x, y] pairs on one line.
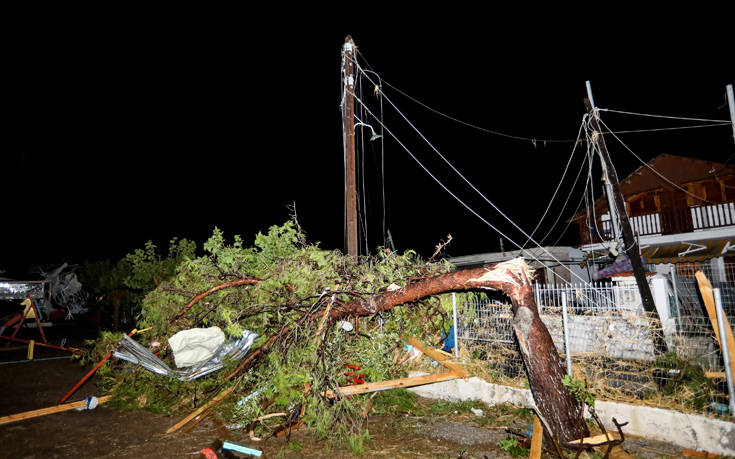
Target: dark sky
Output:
{"points": [[122, 130]]}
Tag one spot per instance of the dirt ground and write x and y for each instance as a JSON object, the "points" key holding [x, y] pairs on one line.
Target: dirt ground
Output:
{"points": [[105, 432]]}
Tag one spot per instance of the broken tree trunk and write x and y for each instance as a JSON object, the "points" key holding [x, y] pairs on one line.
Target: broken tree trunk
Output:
{"points": [[558, 409]]}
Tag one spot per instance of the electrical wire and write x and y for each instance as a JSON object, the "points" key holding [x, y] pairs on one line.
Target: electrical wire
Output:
{"points": [[474, 126], [647, 166], [677, 128], [561, 212], [530, 254], [610, 110], [566, 168]]}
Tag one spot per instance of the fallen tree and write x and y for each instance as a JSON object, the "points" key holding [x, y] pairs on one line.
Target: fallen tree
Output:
{"points": [[282, 288]]}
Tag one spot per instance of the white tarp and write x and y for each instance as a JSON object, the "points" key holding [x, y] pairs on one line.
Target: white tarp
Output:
{"points": [[195, 345]]}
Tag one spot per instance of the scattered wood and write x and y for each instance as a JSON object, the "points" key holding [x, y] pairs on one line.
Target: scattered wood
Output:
{"points": [[705, 288], [49, 410], [196, 412], [537, 439], [393, 384], [694, 453], [439, 356]]}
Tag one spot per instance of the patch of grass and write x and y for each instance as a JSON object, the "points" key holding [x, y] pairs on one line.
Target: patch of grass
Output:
{"points": [[396, 401], [295, 446], [357, 442], [510, 445]]}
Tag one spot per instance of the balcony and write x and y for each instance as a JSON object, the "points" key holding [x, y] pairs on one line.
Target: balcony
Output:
{"points": [[671, 221]]}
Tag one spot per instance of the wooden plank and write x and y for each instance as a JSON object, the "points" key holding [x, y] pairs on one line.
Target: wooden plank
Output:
{"points": [[196, 412], [439, 357], [596, 439], [393, 384], [537, 439], [715, 374], [49, 410], [705, 288]]}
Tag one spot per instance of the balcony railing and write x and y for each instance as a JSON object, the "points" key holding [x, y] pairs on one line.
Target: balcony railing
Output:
{"points": [[673, 221]]}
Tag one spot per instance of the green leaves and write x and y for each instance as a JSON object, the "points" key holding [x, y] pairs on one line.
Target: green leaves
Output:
{"points": [[579, 389]]}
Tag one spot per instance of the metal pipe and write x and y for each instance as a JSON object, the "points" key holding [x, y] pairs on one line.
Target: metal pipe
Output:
{"points": [[454, 319], [725, 351], [567, 350]]}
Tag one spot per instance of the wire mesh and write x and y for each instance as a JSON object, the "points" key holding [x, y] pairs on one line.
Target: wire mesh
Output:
{"points": [[611, 340]]}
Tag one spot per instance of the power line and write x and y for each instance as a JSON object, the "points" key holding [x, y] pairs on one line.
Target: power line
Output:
{"points": [[677, 128], [566, 168], [661, 116], [645, 164], [473, 187], [471, 125]]}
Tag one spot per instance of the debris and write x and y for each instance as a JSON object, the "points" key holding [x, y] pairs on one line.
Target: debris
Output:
{"points": [[90, 403], [208, 453], [132, 351], [84, 404], [196, 345], [345, 325], [477, 412], [242, 449], [196, 412]]}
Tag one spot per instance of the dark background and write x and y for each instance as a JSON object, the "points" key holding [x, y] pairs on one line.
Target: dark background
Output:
{"points": [[123, 128]]}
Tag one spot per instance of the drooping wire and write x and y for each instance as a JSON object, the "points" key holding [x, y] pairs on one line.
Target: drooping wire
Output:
{"points": [[561, 212], [528, 253], [647, 166], [457, 120], [564, 174]]}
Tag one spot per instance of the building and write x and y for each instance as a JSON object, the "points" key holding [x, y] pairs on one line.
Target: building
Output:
{"points": [[682, 210]]}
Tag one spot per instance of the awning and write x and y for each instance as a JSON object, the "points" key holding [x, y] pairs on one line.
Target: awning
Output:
{"points": [[688, 252]]}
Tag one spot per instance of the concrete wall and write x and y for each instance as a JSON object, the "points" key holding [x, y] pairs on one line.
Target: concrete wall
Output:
{"points": [[684, 430]]}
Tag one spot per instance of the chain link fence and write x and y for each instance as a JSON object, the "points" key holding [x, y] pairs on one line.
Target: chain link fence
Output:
{"points": [[611, 340]]}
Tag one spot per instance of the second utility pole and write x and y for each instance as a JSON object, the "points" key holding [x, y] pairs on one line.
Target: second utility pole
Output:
{"points": [[348, 124], [630, 244]]}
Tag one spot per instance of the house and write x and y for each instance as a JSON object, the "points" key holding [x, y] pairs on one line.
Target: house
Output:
{"points": [[552, 265], [682, 210]]}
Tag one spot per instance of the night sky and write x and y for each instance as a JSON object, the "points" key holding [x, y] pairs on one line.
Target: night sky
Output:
{"points": [[118, 132]]}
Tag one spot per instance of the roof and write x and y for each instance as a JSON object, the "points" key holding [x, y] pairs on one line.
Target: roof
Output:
{"points": [[564, 254], [677, 169], [688, 252]]}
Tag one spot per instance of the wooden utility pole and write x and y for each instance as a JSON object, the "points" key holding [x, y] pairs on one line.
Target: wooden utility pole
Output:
{"points": [[630, 244], [348, 123]]}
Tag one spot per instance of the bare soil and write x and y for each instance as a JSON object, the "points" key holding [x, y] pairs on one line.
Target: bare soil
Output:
{"points": [[106, 432]]}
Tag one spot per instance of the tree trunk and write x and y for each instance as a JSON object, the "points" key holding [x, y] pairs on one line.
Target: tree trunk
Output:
{"points": [[557, 408]]}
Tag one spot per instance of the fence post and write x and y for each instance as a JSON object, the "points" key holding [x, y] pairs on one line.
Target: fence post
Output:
{"points": [[567, 350], [454, 320], [724, 348]]}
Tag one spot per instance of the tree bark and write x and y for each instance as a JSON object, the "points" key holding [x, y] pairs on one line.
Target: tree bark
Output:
{"points": [[557, 408]]}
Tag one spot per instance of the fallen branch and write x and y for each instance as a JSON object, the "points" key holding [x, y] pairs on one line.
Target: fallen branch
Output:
{"points": [[196, 299]]}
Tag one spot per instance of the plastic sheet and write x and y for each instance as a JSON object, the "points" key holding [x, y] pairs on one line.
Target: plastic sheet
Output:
{"points": [[132, 351]]}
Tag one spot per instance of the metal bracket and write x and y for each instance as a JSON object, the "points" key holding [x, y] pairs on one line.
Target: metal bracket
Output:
{"points": [[692, 248]]}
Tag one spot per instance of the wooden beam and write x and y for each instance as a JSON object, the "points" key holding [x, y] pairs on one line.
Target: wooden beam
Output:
{"points": [[596, 439], [393, 384], [439, 357], [705, 288], [196, 412], [49, 410], [537, 439]]}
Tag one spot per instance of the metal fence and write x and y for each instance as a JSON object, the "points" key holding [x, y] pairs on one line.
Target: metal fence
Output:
{"points": [[611, 342]]}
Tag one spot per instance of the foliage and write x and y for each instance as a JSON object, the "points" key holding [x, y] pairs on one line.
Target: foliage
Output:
{"points": [[685, 380], [579, 390], [295, 281], [510, 445]]}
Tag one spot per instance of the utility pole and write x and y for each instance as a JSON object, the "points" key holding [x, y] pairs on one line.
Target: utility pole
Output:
{"points": [[731, 103], [630, 244], [348, 125]]}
